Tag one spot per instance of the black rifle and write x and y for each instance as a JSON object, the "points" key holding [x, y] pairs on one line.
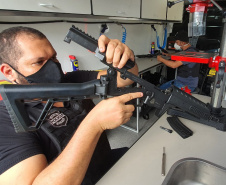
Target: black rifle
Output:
{"points": [[176, 101]]}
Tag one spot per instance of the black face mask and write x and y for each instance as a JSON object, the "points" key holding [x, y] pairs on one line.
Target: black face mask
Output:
{"points": [[51, 72]]}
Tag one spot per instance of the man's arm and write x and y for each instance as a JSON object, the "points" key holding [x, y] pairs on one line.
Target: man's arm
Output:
{"points": [[117, 54], [71, 165], [169, 63]]}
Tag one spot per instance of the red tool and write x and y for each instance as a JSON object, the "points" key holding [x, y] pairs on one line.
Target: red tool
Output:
{"points": [[199, 6], [197, 57]]}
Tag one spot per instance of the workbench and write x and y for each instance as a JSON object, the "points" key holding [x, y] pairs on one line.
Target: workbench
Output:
{"points": [[146, 64], [143, 161]]}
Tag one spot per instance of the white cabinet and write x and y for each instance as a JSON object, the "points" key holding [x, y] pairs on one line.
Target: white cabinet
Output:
{"points": [[156, 10], [61, 6], [175, 13], [121, 8], [146, 9]]}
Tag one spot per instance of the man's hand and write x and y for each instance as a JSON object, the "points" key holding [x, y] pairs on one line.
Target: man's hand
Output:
{"points": [[117, 53], [166, 54], [159, 58], [169, 63], [113, 112]]}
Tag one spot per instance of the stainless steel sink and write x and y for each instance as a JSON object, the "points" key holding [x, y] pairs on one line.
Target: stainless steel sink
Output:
{"points": [[194, 171]]}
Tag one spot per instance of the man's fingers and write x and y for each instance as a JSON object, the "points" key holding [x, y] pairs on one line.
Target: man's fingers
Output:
{"points": [[127, 97], [110, 51], [126, 120], [117, 55], [116, 52], [124, 59], [102, 42], [129, 109]]}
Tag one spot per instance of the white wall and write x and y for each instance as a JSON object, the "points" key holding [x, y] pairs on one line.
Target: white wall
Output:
{"points": [[139, 37]]}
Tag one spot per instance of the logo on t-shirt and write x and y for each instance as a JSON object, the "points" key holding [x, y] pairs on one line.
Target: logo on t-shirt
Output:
{"points": [[57, 119]]}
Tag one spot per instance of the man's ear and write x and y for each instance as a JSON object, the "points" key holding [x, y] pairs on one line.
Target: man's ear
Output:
{"points": [[8, 72]]}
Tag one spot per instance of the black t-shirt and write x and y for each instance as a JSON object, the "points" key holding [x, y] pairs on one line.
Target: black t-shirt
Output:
{"points": [[188, 73], [16, 147]]}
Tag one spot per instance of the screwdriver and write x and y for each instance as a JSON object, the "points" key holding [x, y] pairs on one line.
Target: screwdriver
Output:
{"points": [[163, 162], [166, 129]]}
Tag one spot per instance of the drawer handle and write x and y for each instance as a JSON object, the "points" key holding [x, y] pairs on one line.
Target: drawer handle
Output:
{"points": [[46, 5]]}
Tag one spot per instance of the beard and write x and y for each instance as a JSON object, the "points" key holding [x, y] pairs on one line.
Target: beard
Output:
{"points": [[21, 80]]}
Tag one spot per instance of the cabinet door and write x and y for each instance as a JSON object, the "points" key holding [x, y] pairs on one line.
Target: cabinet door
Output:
{"points": [[66, 6], [176, 12], [154, 9], [121, 8]]}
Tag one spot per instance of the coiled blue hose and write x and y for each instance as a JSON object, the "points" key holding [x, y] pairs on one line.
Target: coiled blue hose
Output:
{"points": [[157, 37], [165, 39], [124, 34]]}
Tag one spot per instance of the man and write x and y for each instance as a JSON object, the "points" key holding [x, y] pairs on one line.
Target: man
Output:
{"points": [[48, 155], [188, 72]]}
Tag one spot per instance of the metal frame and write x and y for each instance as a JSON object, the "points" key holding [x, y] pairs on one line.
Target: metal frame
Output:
{"points": [[137, 129]]}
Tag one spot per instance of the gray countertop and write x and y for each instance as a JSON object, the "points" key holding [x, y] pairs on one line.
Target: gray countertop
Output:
{"points": [[142, 163], [145, 64]]}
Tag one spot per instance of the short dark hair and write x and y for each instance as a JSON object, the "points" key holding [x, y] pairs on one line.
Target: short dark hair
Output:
{"points": [[182, 35], [10, 51]]}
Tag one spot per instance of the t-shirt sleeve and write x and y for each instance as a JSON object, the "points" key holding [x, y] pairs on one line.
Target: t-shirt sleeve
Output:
{"points": [[80, 76], [15, 147]]}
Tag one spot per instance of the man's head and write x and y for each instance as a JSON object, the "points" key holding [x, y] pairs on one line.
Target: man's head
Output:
{"points": [[181, 39], [23, 51]]}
